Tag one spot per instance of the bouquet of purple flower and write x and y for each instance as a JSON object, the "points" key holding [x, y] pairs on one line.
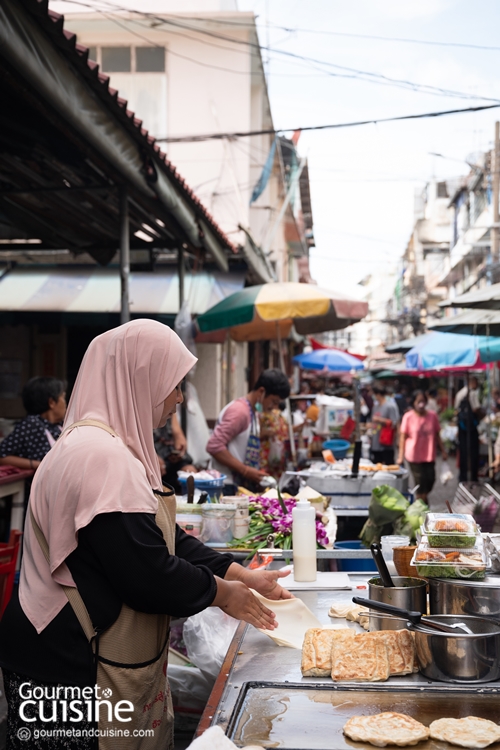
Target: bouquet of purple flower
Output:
{"points": [[273, 517]]}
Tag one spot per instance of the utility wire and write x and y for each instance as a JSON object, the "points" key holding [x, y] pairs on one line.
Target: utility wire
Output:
{"points": [[314, 62], [271, 131]]}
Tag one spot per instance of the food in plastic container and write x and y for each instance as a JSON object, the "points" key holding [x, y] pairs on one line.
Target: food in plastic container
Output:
{"points": [[449, 563], [218, 522], [190, 523], [450, 530]]}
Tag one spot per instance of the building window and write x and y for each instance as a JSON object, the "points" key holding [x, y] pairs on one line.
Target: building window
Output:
{"points": [[93, 53], [442, 190], [150, 59], [116, 59]]}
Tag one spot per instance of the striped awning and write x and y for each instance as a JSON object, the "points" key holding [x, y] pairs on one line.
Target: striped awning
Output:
{"points": [[97, 290]]}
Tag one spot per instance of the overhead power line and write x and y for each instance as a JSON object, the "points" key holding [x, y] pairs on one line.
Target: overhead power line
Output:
{"points": [[272, 131], [347, 72]]}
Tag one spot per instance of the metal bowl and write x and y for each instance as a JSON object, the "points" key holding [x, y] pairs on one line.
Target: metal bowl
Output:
{"points": [[459, 658], [451, 596]]}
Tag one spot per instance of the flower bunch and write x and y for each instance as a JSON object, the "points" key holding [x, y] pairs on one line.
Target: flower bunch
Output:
{"points": [[273, 516]]}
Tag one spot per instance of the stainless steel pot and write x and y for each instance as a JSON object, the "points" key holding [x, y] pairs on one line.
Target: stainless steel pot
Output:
{"points": [[407, 593], [452, 596], [459, 658]]}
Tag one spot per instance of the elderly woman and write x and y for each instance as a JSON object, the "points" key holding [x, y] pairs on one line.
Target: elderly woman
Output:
{"points": [[84, 645]]}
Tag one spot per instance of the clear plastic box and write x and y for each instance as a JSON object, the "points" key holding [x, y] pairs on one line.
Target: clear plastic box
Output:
{"points": [[451, 530], [431, 562]]}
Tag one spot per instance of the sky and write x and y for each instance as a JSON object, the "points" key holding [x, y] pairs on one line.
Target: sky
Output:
{"points": [[363, 179]]}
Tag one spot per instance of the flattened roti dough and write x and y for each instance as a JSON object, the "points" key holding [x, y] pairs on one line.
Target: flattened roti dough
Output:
{"points": [[470, 732], [387, 728], [294, 619]]}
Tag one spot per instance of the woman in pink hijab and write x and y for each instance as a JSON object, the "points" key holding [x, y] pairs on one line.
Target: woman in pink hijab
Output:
{"points": [[83, 645]]}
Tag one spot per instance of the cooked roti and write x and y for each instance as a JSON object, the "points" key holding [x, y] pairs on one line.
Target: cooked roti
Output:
{"points": [[470, 732], [364, 658], [385, 729], [400, 650], [317, 650], [308, 665]]}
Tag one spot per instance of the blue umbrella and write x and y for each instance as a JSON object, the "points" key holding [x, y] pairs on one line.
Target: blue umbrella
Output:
{"points": [[444, 350], [329, 359]]}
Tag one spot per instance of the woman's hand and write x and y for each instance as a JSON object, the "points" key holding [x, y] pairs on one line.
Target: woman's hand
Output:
{"points": [[266, 583], [263, 581], [254, 475], [236, 600]]}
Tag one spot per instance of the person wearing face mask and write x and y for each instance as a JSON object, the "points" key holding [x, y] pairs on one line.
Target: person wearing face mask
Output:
{"points": [[235, 442], [418, 443]]}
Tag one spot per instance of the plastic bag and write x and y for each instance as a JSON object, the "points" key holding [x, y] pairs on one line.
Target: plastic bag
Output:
{"points": [[190, 688], [186, 329], [207, 637], [198, 433], [446, 473], [386, 505], [275, 452], [410, 522]]}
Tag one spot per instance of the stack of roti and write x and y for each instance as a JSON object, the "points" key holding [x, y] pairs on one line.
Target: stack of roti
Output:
{"points": [[345, 655]]}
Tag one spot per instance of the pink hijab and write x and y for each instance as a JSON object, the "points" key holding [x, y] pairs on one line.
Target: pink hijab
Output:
{"points": [[125, 376]]}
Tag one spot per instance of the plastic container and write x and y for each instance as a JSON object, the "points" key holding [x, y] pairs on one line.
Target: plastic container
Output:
{"points": [[190, 522], [189, 508], [213, 487], [431, 562], [391, 541], [451, 530], [337, 446], [304, 541], [354, 565], [217, 522], [241, 504]]}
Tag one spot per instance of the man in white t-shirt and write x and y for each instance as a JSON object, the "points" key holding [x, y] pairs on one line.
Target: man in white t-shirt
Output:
{"points": [[234, 444]]}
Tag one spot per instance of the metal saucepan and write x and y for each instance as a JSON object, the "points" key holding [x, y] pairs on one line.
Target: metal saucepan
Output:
{"points": [[452, 596], [407, 616], [406, 593], [458, 657]]}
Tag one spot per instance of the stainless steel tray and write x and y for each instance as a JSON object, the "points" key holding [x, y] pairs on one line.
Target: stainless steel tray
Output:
{"points": [[311, 717]]}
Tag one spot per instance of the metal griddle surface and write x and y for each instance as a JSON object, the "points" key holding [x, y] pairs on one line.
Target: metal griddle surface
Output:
{"points": [[311, 717]]}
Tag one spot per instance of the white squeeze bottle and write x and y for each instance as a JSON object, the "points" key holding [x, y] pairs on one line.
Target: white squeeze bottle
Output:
{"points": [[304, 541]]}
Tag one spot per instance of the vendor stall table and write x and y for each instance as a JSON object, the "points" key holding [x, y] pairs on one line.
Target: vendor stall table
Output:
{"points": [[260, 693]]}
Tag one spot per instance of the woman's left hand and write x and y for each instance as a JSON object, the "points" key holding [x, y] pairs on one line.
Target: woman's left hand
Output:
{"points": [[265, 582]]}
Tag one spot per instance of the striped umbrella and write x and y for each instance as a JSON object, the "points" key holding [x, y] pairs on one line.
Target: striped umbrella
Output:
{"points": [[268, 311]]}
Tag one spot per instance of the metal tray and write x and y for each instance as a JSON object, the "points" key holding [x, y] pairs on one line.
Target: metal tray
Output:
{"points": [[311, 717]]}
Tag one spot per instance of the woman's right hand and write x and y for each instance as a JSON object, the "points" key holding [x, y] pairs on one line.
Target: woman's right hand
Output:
{"points": [[236, 599]]}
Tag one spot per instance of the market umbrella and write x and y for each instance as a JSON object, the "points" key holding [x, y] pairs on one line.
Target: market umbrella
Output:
{"points": [[328, 359], [268, 311], [444, 350]]}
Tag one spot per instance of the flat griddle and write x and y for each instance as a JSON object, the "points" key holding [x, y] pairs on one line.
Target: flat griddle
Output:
{"points": [[311, 717]]}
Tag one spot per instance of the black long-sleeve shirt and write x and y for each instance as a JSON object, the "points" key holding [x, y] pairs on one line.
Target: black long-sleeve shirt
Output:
{"points": [[120, 558]]}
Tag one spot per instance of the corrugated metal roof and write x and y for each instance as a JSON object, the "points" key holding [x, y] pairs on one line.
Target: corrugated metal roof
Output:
{"points": [[97, 290]]}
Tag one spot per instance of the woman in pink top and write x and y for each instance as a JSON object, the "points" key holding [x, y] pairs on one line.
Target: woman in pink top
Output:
{"points": [[418, 443]]}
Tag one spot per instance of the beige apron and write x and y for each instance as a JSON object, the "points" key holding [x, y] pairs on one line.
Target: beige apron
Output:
{"points": [[131, 655]]}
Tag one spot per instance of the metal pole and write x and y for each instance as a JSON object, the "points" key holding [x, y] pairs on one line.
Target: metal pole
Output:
{"points": [[495, 231], [124, 257], [180, 271], [291, 434]]}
